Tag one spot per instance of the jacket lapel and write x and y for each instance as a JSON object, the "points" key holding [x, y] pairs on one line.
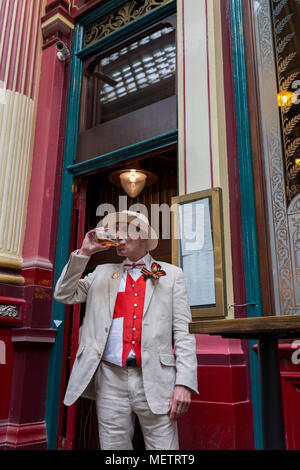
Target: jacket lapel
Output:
{"points": [[114, 284], [150, 286]]}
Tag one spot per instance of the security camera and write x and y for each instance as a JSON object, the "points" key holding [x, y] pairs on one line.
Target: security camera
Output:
{"points": [[62, 51]]}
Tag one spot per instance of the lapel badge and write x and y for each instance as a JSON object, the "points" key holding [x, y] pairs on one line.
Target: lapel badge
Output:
{"points": [[115, 275]]}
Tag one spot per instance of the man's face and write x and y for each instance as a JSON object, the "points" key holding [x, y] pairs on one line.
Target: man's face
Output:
{"points": [[129, 247]]}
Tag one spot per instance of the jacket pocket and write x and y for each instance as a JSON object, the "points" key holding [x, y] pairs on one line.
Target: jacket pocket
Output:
{"points": [[167, 359], [80, 349]]}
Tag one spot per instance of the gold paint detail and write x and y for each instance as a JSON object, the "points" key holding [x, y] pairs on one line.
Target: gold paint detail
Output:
{"points": [[44, 282], [41, 293], [79, 7], [11, 279], [12, 262], [57, 17], [120, 17], [75, 186]]}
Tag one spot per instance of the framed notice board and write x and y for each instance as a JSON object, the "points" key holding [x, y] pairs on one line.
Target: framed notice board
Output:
{"points": [[198, 248]]}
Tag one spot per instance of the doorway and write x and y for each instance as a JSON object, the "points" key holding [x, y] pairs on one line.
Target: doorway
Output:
{"points": [[123, 104], [78, 428]]}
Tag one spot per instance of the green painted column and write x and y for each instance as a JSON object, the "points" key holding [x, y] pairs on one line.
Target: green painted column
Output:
{"points": [[252, 273], [63, 242]]}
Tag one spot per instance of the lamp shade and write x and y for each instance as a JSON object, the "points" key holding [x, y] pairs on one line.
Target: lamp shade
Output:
{"points": [[133, 179], [133, 182]]}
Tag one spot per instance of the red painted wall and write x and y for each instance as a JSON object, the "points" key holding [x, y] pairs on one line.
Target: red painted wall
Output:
{"points": [[290, 385], [220, 417]]}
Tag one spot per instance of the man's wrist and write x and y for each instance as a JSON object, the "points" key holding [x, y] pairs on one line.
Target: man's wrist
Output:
{"points": [[185, 386], [83, 252]]}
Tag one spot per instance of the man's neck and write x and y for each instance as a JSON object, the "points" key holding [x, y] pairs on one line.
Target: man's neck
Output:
{"points": [[137, 257]]}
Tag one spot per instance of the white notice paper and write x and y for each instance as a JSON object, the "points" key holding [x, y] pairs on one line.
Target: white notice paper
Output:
{"points": [[197, 253]]}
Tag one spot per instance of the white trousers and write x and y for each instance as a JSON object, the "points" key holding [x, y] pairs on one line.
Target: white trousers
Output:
{"points": [[119, 397]]}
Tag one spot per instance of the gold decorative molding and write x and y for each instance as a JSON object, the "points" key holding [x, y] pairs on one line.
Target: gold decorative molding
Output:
{"points": [[10, 262], [55, 18], [58, 26], [12, 279], [79, 7], [118, 18]]}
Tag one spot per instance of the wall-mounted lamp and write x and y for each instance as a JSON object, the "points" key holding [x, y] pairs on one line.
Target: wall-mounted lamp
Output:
{"points": [[286, 98], [133, 179]]}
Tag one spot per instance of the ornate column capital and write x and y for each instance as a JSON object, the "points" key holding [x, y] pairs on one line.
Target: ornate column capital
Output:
{"points": [[52, 4], [57, 24]]}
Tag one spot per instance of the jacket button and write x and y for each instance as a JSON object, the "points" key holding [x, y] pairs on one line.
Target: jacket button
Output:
{"points": [[106, 330]]}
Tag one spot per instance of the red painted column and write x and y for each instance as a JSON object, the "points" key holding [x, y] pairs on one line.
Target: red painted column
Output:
{"points": [[289, 357], [289, 360], [44, 193], [220, 417], [28, 337]]}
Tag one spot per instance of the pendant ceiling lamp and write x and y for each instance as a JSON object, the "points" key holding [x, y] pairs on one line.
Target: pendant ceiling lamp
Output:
{"points": [[132, 179]]}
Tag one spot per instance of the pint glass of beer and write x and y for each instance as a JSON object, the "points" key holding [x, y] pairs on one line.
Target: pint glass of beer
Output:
{"points": [[103, 236]]}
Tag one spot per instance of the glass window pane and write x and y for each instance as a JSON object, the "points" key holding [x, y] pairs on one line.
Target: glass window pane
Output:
{"points": [[131, 76]]}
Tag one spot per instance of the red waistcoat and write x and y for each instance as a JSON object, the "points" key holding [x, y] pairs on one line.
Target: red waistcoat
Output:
{"points": [[130, 305]]}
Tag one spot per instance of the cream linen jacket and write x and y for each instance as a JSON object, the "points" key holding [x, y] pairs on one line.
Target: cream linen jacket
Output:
{"points": [[166, 317]]}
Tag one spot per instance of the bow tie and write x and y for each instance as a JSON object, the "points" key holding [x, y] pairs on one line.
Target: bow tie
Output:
{"points": [[155, 275], [129, 266]]}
